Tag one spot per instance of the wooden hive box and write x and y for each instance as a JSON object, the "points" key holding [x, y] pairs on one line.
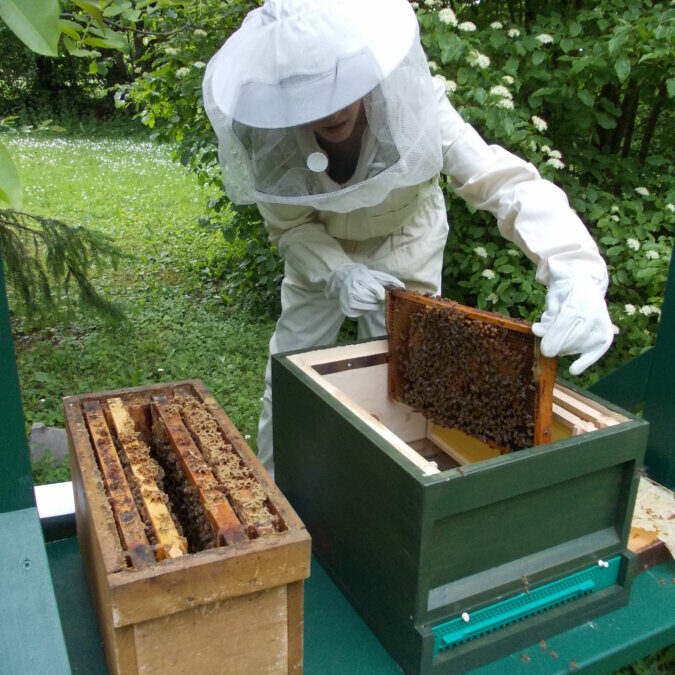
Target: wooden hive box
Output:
{"points": [[452, 552], [194, 558]]}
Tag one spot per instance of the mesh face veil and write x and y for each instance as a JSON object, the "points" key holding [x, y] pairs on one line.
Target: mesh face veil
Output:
{"points": [[294, 62]]}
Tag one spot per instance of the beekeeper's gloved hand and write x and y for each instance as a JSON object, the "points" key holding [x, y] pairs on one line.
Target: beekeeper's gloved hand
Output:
{"points": [[576, 320], [359, 289]]}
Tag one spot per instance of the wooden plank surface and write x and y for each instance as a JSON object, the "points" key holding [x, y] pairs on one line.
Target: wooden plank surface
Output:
{"points": [[584, 408], [461, 447], [92, 508], [245, 635], [129, 523], [230, 431], [218, 511], [295, 618], [212, 575], [250, 501], [547, 369], [427, 468], [169, 542], [571, 421]]}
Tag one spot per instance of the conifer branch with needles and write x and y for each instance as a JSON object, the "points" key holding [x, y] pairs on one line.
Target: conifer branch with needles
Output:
{"points": [[44, 258]]}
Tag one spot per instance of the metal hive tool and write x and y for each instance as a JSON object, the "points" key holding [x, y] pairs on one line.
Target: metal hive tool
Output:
{"points": [[470, 369]]}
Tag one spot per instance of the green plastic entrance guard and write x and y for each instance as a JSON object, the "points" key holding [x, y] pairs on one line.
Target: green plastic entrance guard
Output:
{"points": [[519, 607]]}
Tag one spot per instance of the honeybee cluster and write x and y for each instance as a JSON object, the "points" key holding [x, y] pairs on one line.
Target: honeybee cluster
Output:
{"points": [[471, 375]]}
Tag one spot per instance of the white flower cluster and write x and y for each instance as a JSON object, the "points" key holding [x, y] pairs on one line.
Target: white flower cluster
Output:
{"points": [[642, 191], [493, 298], [555, 157], [652, 255], [171, 51], [415, 5], [199, 32], [616, 329], [508, 79], [480, 252], [513, 32], [475, 58], [432, 3], [433, 65], [199, 64], [447, 16], [513, 252], [501, 90], [650, 310], [467, 26], [488, 274], [633, 243], [505, 103], [497, 25], [670, 207], [182, 72], [544, 39], [539, 124], [629, 309], [615, 218], [450, 85]]}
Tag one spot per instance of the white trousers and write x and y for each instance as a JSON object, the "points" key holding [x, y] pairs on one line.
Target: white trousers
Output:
{"points": [[413, 253]]}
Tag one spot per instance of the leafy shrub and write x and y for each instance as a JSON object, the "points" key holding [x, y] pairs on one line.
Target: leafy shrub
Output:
{"points": [[36, 88], [168, 98], [580, 94]]}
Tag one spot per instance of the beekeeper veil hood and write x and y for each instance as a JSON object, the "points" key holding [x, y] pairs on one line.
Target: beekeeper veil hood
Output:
{"points": [[294, 62]]}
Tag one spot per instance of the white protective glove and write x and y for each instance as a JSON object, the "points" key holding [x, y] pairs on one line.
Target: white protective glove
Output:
{"points": [[360, 290], [576, 320]]}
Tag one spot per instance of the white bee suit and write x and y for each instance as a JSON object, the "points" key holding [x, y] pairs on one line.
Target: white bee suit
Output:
{"points": [[387, 225], [405, 237]]}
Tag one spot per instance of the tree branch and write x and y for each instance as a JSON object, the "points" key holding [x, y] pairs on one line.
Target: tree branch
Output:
{"points": [[651, 122], [628, 105], [131, 29]]}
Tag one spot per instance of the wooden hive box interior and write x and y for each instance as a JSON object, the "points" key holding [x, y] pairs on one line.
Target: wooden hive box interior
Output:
{"points": [[357, 376]]}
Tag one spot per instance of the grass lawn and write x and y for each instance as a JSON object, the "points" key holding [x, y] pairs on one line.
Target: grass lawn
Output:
{"points": [[177, 326]]}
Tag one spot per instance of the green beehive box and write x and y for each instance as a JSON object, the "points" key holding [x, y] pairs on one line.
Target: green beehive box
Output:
{"points": [[452, 553]]}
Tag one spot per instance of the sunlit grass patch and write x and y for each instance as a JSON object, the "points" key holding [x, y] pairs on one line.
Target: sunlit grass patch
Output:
{"points": [[177, 326]]}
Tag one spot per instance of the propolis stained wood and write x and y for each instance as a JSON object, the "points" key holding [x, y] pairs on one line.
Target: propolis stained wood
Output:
{"points": [[194, 558]]}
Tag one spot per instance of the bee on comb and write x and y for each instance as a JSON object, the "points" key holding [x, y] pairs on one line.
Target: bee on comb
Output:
{"points": [[470, 369]]}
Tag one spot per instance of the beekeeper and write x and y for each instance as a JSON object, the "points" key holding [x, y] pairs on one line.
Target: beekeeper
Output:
{"points": [[329, 120]]}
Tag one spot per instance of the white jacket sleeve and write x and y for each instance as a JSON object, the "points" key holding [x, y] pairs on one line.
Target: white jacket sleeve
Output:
{"points": [[303, 242], [530, 211]]}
